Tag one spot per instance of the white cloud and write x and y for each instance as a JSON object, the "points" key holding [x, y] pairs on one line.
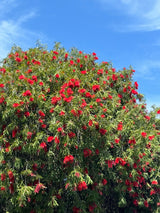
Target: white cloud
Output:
{"points": [[12, 30], [145, 14], [145, 69]]}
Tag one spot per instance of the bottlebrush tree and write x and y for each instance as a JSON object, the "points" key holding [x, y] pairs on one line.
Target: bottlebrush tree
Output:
{"points": [[75, 136]]}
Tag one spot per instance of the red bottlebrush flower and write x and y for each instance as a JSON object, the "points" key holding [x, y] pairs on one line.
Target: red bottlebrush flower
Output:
{"points": [[68, 100], [62, 113], [158, 112], [117, 140], [154, 182], [55, 100], [27, 114], [41, 83], [135, 202], [146, 203], [10, 175], [102, 131], [88, 95], [15, 105], [136, 84], [27, 93], [73, 112], [11, 188], [41, 113], [83, 72], [50, 139], [43, 145], [3, 188], [104, 181], [110, 163], [14, 132], [71, 134], [134, 92], [82, 90], [90, 123], [76, 210], [29, 135], [54, 57], [55, 52], [87, 152], [82, 186], [3, 177], [57, 76], [152, 192], [56, 140], [1, 85], [39, 186], [68, 159], [96, 88], [18, 59], [34, 78], [144, 134], [120, 126], [69, 91], [151, 137], [71, 62]]}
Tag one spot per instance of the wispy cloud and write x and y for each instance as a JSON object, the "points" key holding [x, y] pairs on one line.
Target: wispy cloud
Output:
{"points": [[145, 69], [144, 14], [12, 30]]}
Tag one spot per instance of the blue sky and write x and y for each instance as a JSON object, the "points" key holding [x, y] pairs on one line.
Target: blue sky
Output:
{"points": [[124, 32]]}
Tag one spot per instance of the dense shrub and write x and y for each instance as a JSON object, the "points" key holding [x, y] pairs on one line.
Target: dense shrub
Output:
{"points": [[75, 136]]}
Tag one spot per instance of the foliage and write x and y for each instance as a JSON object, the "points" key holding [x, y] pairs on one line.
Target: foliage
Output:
{"points": [[75, 136]]}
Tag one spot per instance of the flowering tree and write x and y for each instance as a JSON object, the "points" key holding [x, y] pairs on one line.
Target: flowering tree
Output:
{"points": [[75, 136]]}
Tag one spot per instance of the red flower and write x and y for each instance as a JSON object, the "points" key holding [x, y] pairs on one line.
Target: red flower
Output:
{"points": [[39, 186], [96, 88], [158, 112], [11, 176], [117, 140], [83, 72], [56, 140], [76, 210], [18, 59], [102, 131], [71, 134], [1, 85], [136, 85], [87, 152], [15, 105], [154, 182], [120, 126], [27, 93], [3, 188], [104, 181], [41, 113], [50, 139], [82, 186], [3, 177], [68, 159], [90, 122], [144, 134], [151, 137], [146, 203], [29, 135]]}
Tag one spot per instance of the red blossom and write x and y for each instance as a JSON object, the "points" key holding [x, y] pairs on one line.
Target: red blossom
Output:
{"points": [[102, 131], [50, 139], [68, 159], [96, 88], [104, 181], [154, 182], [144, 134], [120, 126], [87, 152], [82, 186]]}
